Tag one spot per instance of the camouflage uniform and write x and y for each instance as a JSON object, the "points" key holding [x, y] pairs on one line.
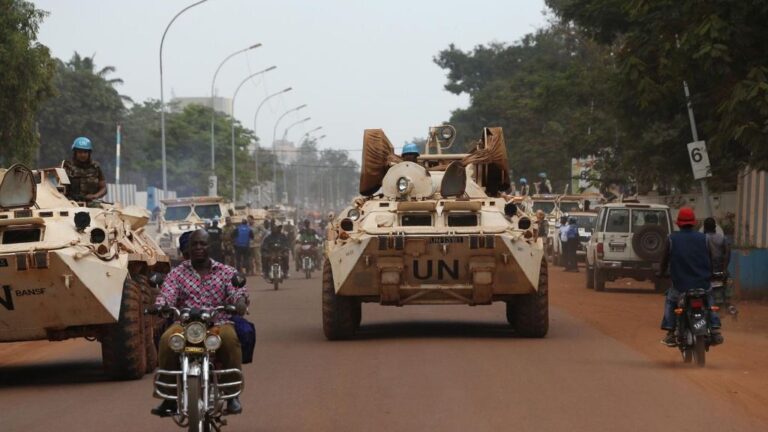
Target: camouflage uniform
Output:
{"points": [[84, 179], [255, 246]]}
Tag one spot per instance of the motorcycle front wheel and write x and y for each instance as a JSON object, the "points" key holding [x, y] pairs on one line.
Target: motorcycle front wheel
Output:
{"points": [[195, 414]]}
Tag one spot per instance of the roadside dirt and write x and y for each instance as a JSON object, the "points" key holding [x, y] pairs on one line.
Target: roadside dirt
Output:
{"points": [[630, 312]]}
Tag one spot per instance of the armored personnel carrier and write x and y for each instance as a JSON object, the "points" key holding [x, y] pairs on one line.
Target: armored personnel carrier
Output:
{"points": [[68, 271], [188, 214], [434, 231]]}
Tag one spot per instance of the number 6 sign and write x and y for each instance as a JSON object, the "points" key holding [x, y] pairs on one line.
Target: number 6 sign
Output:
{"points": [[697, 153]]}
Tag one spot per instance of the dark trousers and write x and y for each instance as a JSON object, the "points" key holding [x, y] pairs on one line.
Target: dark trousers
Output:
{"points": [[243, 258], [229, 354], [669, 320], [571, 247]]}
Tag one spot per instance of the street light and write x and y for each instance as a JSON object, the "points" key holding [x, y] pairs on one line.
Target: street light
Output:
{"points": [[285, 132], [274, 149], [212, 181], [245, 80], [257, 146], [306, 135], [162, 94], [256, 116]]}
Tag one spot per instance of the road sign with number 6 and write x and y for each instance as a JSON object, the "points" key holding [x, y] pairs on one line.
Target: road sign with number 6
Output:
{"points": [[697, 153]]}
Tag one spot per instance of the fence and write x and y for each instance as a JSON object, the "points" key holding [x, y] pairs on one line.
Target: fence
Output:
{"points": [[127, 194], [752, 213]]}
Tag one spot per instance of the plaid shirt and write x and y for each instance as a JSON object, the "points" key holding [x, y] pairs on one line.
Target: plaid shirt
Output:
{"points": [[184, 287]]}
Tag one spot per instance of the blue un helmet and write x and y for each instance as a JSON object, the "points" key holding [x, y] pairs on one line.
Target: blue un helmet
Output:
{"points": [[82, 143], [523, 180], [543, 175], [410, 148]]}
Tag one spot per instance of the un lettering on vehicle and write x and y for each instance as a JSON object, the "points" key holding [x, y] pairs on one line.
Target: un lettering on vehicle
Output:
{"points": [[436, 269]]}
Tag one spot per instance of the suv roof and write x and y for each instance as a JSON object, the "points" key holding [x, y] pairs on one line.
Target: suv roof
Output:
{"points": [[635, 205]]}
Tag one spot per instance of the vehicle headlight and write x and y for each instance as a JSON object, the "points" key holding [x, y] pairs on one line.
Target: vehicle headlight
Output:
{"points": [[212, 342], [402, 184], [353, 214], [177, 342], [195, 332], [446, 133]]}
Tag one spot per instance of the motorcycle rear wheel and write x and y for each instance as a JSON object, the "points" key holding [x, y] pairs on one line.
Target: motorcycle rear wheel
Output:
{"points": [[700, 351]]}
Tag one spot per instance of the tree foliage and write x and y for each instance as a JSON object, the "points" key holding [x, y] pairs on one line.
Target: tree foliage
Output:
{"points": [[718, 47], [26, 69]]}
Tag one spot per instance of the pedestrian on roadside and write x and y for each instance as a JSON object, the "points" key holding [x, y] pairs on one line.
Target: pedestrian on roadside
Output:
{"points": [[562, 233], [241, 238], [572, 245], [215, 247]]}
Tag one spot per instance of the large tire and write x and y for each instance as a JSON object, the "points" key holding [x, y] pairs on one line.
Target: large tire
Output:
{"points": [[700, 350], [339, 319], [151, 322], [599, 283], [648, 242], [590, 276], [530, 312], [122, 346]]}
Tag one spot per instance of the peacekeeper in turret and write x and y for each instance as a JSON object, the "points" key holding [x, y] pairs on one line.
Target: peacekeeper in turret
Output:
{"points": [[86, 180]]}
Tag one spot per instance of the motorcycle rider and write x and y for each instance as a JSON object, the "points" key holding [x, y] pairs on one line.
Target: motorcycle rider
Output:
{"points": [[86, 180], [275, 241], [308, 235], [196, 283], [689, 261]]}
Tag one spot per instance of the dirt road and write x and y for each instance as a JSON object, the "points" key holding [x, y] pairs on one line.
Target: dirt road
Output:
{"points": [[445, 368]]}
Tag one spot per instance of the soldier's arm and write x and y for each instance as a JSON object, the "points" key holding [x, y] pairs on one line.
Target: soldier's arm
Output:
{"points": [[102, 187]]}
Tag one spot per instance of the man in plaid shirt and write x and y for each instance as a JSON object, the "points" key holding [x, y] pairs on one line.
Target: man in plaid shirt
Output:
{"points": [[195, 283]]}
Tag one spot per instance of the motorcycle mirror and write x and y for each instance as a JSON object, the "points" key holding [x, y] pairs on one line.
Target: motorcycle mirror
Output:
{"points": [[238, 280], [156, 279]]}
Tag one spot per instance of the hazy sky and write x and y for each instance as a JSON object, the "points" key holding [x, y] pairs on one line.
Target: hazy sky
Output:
{"points": [[356, 64]]}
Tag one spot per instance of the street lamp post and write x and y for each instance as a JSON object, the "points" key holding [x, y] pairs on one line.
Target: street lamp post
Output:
{"points": [[257, 146], [234, 97], [285, 132], [274, 148], [162, 94], [212, 180]]}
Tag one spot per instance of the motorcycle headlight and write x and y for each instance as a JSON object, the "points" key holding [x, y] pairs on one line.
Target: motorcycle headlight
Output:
{"points": [[177, 342], [195, 332], [402, 184], [212, 342]]}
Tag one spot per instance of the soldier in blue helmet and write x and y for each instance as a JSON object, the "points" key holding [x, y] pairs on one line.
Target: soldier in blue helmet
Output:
{"points": [[86, 180], [410, 153]]}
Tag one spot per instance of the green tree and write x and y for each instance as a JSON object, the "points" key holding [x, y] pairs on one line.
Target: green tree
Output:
{"points": [[27, 69], [86, 104], [716, 46]]}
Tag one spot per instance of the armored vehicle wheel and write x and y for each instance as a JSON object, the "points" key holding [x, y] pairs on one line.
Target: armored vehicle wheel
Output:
{"points": [[122, 346], [339, 319], [151, 322], [590, 276], [599, 279], [530, 312]]}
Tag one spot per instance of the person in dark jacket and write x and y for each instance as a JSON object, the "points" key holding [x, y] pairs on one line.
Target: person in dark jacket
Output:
{"points": [[688, 259], [276, 242]]}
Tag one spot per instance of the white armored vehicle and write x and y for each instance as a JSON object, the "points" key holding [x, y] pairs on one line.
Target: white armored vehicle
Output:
{"points": [[188, 214], [434, 231], [68, 271]]}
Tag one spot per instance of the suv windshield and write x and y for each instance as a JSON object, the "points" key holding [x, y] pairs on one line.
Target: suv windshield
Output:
{"points": [[545, 206], [569, 206], [208, 211], [648, 217], [618, 221], [586, 222], [177, 213]]}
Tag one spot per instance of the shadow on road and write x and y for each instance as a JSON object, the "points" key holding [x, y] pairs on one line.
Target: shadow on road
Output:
{"points": [[610, 290], [52, 374], [433, 329]]}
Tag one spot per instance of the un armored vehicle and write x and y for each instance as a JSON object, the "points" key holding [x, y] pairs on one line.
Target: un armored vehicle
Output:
{"points": [[434, 231], [68, 271], [188, 214]]}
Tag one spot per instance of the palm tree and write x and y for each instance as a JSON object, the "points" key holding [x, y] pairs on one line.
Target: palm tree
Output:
{"points": [[87, 65]]}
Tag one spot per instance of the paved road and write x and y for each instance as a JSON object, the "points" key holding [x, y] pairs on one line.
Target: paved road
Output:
{"points": [[440, 368]]}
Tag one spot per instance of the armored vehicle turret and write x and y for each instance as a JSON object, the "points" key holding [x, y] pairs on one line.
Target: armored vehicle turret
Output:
{"points": [[68, 271], [434, 231]]}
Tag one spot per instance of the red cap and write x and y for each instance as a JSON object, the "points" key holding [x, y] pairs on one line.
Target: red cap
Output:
{"points": [[686, 217]]}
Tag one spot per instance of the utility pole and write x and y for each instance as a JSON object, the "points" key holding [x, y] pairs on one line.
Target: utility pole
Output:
{"points": [[695, 135]]}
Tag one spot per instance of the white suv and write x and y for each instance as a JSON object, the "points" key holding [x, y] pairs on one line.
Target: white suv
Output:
{"points": [[628, 241]]}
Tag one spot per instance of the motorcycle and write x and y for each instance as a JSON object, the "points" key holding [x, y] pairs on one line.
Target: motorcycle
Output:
{"points": [[274, 272], [693, 325], [721, 292], [201, 397], [307, 256]]}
